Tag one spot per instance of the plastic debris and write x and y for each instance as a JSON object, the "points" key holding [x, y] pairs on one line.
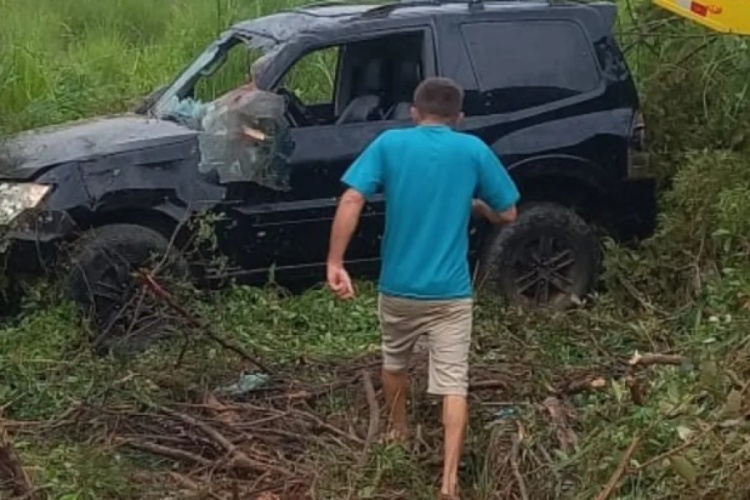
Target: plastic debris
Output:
{"points": [[188, 111], [506, 413], [245, 138], [247, 382]]}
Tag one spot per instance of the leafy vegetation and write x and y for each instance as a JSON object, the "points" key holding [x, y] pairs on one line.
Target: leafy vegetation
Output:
{"points": [[685, 291]]}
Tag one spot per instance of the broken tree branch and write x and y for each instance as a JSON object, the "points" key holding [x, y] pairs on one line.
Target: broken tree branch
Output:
{"points": [[12, 475], [560, 415], [592, 383], [488, 384], [237, 457], [164, 451], [372, 402], [674, 451], [622, 468], [514, 454], [649, 359], [160, 293]]}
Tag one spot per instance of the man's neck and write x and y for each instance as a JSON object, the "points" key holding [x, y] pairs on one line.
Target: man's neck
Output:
{"points": [[433, 123]]}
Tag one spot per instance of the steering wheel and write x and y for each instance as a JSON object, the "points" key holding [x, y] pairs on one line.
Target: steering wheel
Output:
{"points": [[297, 110]]}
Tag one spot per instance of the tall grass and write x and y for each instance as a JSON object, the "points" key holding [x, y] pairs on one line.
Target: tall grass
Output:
{"points": [[67, 59]]}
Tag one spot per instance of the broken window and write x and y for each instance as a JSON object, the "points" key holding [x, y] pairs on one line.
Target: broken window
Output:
{"points": [[220, 70], [367, 80], [233, 73], [313, 77], [243, 132]]}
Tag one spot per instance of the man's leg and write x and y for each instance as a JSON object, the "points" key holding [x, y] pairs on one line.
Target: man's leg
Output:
{"points": [[450, 338], [399, 322], [455, 417], [395, 387]]}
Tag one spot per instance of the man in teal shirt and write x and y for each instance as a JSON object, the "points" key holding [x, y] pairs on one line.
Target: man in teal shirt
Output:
{"points": [[432, 177]]}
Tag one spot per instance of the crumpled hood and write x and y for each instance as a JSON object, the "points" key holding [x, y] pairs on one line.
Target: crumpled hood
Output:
{"points": [[36, 150]]}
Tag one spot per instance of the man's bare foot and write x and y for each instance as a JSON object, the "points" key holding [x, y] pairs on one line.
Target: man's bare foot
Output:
{"points": [[446, 496], [397, 435]]}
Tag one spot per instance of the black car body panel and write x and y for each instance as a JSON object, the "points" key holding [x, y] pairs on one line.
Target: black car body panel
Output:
{"points": [[569, 142]]}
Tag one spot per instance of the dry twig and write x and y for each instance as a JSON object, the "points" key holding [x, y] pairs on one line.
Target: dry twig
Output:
{"points": [[649, 359], [12, 475], [514, 454], [674, 451], [622, 468], [374, 425], [160, 293]]}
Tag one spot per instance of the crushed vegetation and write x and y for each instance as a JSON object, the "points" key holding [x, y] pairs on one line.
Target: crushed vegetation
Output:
{"points": [[642, 393]]}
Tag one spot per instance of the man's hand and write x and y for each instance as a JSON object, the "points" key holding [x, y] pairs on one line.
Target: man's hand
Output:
{"points": [[481, 209], [344, 224], [339, 281]]}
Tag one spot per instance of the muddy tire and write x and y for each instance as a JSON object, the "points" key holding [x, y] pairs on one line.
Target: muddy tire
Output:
{"points": [[124, 317], [548, 258]]}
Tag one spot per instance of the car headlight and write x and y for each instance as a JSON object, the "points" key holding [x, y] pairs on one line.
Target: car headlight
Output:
{"points": [[15, 198]]}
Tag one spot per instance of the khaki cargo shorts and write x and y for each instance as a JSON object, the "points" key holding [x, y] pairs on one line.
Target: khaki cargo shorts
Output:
{"points": [[447, 325]]}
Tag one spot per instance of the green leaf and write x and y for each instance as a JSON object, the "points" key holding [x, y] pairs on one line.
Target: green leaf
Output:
{"points": [[617, 389], [684, 432], [733, 405], [709, 375], [684, 468]]}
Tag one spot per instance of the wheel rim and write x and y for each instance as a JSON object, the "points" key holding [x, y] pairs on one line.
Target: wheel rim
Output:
{"points": [[543, 271]]}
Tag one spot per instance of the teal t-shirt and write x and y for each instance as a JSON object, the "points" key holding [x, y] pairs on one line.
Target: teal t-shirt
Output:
{"points": [[428, 175]]}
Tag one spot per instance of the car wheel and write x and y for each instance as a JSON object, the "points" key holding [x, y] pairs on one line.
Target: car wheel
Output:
{"points": [[123, 314], [548, 258]]}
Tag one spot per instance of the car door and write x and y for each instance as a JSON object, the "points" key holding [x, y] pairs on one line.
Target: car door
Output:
{"points": [[299, 224]]}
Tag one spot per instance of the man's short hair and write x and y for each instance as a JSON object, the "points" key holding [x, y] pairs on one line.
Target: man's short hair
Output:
{"points": [[439, 97]]}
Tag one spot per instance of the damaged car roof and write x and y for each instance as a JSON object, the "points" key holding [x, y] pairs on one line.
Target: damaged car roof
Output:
{"points": [[285, 24]]}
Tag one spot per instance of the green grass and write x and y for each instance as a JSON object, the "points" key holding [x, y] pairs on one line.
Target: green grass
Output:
{"points": [[686, 290], [67, 59]]}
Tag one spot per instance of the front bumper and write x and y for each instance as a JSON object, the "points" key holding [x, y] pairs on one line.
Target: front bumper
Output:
{"points": [[32, 243]]}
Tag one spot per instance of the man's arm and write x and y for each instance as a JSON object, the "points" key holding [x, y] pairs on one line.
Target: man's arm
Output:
{"points": [[364, 178], [497, 193], [344, 225]]}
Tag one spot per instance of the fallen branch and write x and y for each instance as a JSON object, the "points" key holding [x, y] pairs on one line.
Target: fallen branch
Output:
{"points": [[330, 428], [160, 293], [560, 415], [164, 451], [595, 382], [674, 451], [622, 468], [649, 359], [12, 475], [238, 458], [637, 393], [372, 430], [373, 427], [488, 384], [515, 452], [592, 383]]}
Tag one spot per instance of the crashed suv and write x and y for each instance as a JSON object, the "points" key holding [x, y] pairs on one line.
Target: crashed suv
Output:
{"points": [[546, 87]]}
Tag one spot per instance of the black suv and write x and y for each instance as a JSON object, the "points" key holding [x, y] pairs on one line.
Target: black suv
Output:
{"points": [[546, 87]]}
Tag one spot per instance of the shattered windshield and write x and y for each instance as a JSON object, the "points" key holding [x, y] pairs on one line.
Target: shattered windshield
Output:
{"points": [[243, 131], [225, 65]]}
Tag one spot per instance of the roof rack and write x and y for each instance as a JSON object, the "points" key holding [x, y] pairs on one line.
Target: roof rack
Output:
{"points": [[385, 10]]}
